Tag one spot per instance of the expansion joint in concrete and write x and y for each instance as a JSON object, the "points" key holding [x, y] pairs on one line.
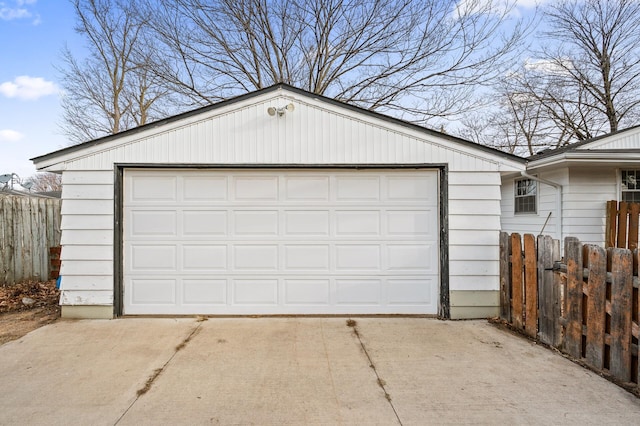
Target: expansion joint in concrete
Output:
{"points": [[353, 324], [157, 372]]}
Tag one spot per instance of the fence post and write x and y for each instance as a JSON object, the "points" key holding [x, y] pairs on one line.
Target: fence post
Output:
{"points": [[573, 299], [505, 277], [596, 301], [621, 293], [623, 215]]}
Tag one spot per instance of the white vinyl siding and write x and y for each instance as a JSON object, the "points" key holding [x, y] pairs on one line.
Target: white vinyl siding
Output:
{"points": [[585, 203], [87, 238], [474, 225]]}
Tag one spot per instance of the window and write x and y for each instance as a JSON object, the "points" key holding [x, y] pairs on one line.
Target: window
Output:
{"points": [[525, 196], [630, 186]]}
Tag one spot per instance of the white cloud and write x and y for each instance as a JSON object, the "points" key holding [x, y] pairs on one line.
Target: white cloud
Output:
{"points": [[18, 9], [28, 88], [546, 66], [471, 7], [8, 135]]}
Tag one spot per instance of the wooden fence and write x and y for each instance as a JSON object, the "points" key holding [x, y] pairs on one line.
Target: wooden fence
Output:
{"points": [[29, 227], [585, 304], [622, 225]]}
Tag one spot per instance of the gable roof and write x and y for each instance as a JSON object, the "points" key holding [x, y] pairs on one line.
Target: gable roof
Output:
{"points": [[277, 87], [611, 146]]}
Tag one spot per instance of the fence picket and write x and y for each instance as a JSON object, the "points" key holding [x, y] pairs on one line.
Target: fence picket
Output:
{"points": [[531, 286], [505, 282], [596, 302], [623, 217], [575, 282], [621, 292], [634, 219], [516, 281]]}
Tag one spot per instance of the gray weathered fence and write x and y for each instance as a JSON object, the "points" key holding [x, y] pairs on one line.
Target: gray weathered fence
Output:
{"points": [[29, 226]]}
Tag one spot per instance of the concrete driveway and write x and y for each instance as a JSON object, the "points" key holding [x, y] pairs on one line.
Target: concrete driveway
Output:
{"points": [[409, 371]]}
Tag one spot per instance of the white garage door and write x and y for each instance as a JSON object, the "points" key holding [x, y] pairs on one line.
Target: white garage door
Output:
{"points": [[280, 242]]}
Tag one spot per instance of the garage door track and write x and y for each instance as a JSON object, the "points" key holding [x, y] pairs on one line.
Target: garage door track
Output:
{"points": [[384, 371]]}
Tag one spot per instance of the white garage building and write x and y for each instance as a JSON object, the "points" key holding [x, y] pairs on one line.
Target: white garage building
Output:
{"points": [[280, 202]]}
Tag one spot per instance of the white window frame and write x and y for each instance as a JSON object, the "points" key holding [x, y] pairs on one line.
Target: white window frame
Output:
{"points": [[517, 196], [623, 186]]}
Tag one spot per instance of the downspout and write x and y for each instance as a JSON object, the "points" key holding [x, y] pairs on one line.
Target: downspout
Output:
{"points": [[558, 188]]}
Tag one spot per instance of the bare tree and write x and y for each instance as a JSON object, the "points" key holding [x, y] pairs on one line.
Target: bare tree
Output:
{"points": [[587, 78], [420, 59], [45, 182], [112, 89]]}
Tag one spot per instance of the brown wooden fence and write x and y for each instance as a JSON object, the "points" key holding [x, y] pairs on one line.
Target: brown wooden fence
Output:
{"points": [[585, 304], [622, 225], [29, 226]]}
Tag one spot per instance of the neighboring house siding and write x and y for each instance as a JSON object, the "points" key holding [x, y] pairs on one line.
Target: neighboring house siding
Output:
{"points": [[585, 195], [585, 202], [533, 223]]}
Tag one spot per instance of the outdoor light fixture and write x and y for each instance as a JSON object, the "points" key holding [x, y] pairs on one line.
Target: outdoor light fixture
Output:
{"points": [[280, 111], [6, 178]]}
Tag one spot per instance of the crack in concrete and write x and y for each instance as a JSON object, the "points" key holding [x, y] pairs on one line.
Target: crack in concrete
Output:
{"points": [[354, 325], [158, 371]]}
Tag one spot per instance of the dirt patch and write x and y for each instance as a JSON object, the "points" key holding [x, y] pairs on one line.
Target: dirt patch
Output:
{"points": [[25, 307]]}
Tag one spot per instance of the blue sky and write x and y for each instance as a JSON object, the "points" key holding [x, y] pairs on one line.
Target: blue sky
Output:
{"points": [[32, 36]]}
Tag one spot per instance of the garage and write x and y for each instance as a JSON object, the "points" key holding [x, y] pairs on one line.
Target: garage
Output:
{"points": [[280, 241], [280, 202]]}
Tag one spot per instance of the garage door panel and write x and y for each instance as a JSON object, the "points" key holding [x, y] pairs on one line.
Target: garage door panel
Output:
{"points": [[352, 189], [256, 188], [255, 291], [255, 257], [255, 222], [153, 257], [153, 291], [307, 292], [204, 223], [307, 257], [204, 257], [154, 188], [358, 291], [413, 223], [358, 257], [204, 188], [307, 188], [357, 222], [280, 242], [410, 257], [413, 188], [410, 292], [204, 292], [306, 222], [153, 223]]}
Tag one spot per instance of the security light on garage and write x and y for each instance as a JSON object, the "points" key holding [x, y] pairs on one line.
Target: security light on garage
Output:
{"points": [[280, 111]]}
